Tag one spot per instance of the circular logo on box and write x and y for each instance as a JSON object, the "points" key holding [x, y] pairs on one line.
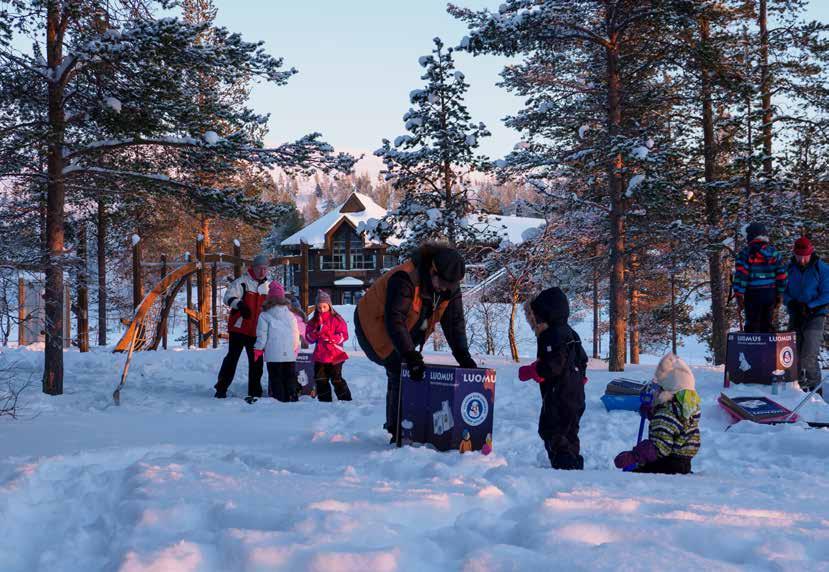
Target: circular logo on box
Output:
{"points": [[787, 357], [474, 409]]}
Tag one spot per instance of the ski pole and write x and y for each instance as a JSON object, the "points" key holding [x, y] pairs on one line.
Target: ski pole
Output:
{"points": [[804, 400]]}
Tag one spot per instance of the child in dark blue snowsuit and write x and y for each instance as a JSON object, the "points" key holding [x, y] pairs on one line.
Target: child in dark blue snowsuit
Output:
{"points": [[560, 372]]}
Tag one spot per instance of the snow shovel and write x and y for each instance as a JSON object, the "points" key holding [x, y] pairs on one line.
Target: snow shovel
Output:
{"points": [[646, 398]]}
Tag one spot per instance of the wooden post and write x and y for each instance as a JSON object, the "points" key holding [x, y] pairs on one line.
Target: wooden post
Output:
{"points": [[304, 295], [164, 323], [237, 253], [201, 291], [214, 308], [137, 285], [21, 311], [83, 292], [189, 286]]}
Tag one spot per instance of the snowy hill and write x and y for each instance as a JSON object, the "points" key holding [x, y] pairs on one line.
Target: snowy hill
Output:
{"points": [[176, 480]]}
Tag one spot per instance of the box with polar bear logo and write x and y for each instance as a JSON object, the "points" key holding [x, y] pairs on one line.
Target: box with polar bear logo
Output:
{"points": [[451, 408], [754, 358], [305, 374]]}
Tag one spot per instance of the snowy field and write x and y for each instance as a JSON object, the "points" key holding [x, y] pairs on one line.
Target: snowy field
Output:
{"points": [[174, 480]]}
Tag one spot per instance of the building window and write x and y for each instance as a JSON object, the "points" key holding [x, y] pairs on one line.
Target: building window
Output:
{"points": [[389, 261], [351, 297], [362, 259], [337, 259]]}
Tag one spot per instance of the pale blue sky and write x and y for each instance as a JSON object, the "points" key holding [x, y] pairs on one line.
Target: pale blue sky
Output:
{"points": [[357, 62]]}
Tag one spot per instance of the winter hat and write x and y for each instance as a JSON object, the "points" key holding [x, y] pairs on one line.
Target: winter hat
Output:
{"points": [[551, 306], [260, 260], [323, 297], [275, 290], [756, 230], [677, 380], [449, 265], [803, 247]]}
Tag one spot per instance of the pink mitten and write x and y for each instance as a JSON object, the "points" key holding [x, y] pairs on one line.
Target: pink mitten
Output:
{"points": [[257, 354], [528, 372]]}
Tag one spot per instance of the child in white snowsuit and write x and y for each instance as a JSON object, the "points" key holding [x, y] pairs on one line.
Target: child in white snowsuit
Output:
{"points": [[673, 436], [277, 338]]}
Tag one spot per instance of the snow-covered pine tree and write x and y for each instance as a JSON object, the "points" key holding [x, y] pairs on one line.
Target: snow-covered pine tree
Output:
{"points": [[432, 162], [584, 65], [139, 122]]}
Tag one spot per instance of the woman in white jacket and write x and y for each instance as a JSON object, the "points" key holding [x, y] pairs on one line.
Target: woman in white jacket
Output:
{"points": [[277, 338]]}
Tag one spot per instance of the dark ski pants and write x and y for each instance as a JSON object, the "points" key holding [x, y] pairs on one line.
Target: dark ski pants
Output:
{"points": [[326, 375], [670, 465], [282, 381], [759, 308], [809, 341], [236, 344], [393, 371], [562, 406]]}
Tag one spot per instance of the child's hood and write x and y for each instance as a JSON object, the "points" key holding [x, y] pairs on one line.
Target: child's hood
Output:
{"points": [[551, 306]]}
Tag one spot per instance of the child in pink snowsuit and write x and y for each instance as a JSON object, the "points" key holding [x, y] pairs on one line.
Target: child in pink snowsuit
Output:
{"points": [[329, 331]]}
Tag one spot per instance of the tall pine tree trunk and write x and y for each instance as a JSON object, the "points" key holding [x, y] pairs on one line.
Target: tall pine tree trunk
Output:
{"points": [[205, 232], [596, 330], [55, 198], [101, 225], [618, 292], [765, 90], [712, 207]]}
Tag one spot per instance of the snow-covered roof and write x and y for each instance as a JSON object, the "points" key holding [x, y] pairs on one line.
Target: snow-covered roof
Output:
{"points": [[348, 281], [314, 234], [513, 229]]}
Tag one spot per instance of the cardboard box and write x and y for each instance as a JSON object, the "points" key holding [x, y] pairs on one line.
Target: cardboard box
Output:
{"points": [[305, 373], [451, 408], [751, 358]]}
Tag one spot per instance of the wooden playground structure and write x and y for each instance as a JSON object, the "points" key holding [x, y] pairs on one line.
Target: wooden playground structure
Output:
{"points": [[148, 328]]}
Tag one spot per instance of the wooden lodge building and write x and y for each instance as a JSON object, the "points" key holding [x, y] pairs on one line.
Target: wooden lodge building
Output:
{"points": [[341, 260], [344, 262]]}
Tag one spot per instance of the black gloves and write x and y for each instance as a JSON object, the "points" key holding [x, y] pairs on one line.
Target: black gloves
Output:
{"points": [[416, 366], [243, 309], [467, 362]]}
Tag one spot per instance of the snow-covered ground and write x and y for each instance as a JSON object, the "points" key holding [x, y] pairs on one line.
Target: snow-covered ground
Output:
{"points": [[174, 480]]}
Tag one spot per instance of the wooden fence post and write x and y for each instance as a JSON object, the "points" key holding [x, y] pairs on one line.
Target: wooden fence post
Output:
{"points": [[237, 253], [83, 292], [214, 290], [189, 286], [201, 291], [164, 324]]}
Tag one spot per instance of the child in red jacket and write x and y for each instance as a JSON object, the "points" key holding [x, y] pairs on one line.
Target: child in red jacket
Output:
{"points": [[328, 330]]}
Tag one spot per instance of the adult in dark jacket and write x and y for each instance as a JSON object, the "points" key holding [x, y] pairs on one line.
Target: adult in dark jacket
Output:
{"points": [[400, 311], [759, 280], [560, 370], [807, 300]]}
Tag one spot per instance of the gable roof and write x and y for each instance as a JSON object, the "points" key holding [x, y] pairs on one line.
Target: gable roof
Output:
{"points": [[357, 209], [511, 229]]}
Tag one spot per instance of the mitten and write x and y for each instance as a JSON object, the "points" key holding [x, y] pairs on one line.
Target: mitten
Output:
{"points": [[243, 309], [624, 459], [257, 354], [528, 372]]}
